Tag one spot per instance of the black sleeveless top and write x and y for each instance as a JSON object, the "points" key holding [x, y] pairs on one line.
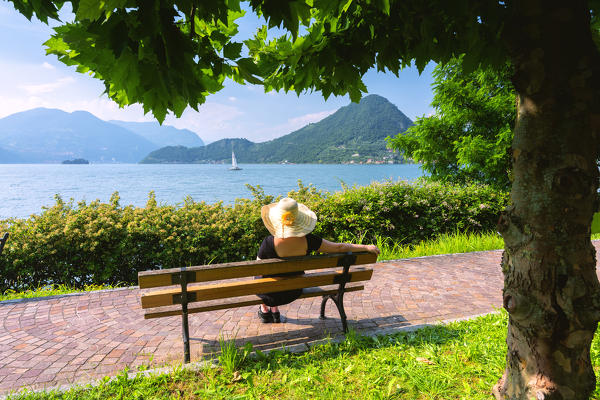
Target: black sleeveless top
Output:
{"points": [[267, 250], [267, 247]]}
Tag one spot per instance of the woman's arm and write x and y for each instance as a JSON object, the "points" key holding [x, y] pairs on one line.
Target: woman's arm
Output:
{"points": [[332, 247]]}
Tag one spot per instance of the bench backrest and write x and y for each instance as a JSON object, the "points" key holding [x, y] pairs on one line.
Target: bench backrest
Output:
{"points": [[198, 281]]}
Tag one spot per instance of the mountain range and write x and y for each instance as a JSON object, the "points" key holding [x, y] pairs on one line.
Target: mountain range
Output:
{"points": [[353, 134], [45, 135]]}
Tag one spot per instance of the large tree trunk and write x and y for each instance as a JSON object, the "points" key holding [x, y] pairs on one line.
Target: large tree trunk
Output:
{"points": [[551, 290]]}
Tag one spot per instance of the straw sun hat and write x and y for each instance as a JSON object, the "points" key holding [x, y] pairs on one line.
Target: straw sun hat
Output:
{"points": [[288, 218]]}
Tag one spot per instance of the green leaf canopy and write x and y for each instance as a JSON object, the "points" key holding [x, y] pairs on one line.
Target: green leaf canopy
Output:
{"points": [[168, 55]]}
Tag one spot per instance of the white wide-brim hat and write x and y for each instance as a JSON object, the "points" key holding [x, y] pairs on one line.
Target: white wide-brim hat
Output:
{"points": [[288, 218]]}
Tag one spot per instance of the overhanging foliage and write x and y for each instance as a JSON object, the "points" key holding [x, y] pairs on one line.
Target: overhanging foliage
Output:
{"points": [[469, 136]]}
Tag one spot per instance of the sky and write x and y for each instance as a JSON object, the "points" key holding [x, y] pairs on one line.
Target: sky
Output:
{"points": [[30, 79]]}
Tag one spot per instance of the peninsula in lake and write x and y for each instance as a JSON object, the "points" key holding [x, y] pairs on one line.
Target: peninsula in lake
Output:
{"points": [[353, 134]]}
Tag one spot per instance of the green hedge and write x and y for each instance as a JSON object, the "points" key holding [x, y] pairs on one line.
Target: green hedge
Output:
{"points": [[106, 243]]}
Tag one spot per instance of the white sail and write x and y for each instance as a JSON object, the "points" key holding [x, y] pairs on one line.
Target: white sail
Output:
{"points": [[234, 165]]}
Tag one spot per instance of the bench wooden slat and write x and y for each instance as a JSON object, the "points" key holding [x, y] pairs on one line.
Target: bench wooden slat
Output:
{"points": [[168, 311], [206, 273], [223, 290]]}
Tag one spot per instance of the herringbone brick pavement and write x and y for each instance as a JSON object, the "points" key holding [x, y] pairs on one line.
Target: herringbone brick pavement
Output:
{"points": [[77, 338]]}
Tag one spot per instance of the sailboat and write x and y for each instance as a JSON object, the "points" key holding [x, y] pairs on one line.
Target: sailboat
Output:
{"points": [[234, 166]]}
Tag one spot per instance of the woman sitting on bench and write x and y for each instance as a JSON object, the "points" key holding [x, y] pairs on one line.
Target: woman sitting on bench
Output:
{"points": [[290, 224]]}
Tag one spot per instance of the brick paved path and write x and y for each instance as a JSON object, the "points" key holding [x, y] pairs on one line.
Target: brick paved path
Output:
{"points": [[77, 338]]}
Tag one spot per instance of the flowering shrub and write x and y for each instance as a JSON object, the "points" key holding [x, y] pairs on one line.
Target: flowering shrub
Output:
{"points": [[106, 243]]}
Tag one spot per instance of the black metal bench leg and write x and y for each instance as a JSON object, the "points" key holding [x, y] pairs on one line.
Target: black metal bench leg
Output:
{"points": [[323, 303], [186, 334], [339, 303], [184, 316], [340, 306], [338, 298]]}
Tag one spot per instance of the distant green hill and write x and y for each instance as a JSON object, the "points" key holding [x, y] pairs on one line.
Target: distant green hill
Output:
{"points": [[355, 133]]}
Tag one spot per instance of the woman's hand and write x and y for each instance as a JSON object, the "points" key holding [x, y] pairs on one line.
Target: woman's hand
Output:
{"points": [[371, 248]]}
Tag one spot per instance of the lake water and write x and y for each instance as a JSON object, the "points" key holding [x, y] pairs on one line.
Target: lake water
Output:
{"points": [[26, 188]]}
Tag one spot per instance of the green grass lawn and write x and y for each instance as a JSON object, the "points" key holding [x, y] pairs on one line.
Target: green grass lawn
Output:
{"points": [[457, 242], [461, 360]]}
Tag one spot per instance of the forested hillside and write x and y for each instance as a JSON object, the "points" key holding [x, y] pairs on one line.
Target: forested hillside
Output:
{"points": [[355, 133]]}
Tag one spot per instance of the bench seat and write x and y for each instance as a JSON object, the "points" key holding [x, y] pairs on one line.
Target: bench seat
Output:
{"points": [[181, 291], [244, 301]]}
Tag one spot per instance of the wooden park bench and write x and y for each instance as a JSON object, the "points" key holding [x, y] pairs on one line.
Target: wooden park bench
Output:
{"points": [[3, 241], [181, 291]]}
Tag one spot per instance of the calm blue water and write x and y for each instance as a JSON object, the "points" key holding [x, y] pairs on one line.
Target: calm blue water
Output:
{"points": [[25, 188]]}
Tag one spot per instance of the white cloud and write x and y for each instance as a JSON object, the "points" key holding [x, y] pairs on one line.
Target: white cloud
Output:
{"points": [[303, 120], [106, 109], [213, 121], [291, 125], [46, 87], [101, 107], [57, 87], [11, 105], [13, 20], [234, 115]]}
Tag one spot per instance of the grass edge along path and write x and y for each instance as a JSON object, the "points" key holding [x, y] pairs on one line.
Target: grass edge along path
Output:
{"points": [[456, 360], [457, 242], [53, 290], [448, 243], [445, 244]]}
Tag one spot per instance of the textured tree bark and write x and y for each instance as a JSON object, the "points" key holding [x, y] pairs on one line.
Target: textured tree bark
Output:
{"points": [[551, 290]]}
